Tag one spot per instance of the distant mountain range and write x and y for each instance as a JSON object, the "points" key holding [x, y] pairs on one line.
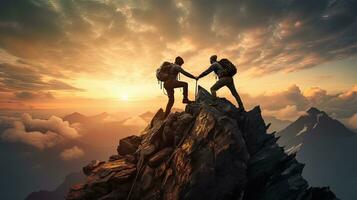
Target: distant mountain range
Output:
{"points": [[327, 148], [60, 192], [80, 118]]}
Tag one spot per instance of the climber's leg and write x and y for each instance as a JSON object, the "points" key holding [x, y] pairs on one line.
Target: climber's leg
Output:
{"points": [[218, 85], [234, 92], [171, 98]]}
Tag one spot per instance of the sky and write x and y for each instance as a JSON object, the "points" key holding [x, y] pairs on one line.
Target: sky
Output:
{"points": [[96, 56]]}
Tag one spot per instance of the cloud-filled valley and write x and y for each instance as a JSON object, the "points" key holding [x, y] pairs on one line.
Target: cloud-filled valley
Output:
{"points": [[39, 133]]}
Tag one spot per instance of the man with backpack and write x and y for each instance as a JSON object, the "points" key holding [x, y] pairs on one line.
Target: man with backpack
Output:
{"points": [[168, 74], [225, 70]]}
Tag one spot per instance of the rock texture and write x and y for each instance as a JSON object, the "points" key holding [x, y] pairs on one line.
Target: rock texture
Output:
{"points": [[209, 151]]}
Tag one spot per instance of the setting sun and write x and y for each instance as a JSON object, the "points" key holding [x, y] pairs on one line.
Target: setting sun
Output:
{"points": [[124, 97]]}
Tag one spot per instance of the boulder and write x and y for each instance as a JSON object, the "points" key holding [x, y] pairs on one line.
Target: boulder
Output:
{"points": [[115, 157], [87, 170], [128, 145], [159, 157]]}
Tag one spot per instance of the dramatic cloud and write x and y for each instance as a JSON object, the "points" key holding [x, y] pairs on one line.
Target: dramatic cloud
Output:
{"points": [[6, 120], [34, 138], [292, 102], [24, 78], [72, 153], [276, 35], [25, 95], [288, 97], [290, 112], [38, 132]]}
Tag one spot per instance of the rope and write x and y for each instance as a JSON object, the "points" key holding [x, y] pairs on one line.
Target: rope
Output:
{"points": [[136, 177]]}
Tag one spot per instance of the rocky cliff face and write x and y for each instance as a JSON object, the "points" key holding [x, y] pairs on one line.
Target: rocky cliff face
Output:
{"points": [[209, 151]]}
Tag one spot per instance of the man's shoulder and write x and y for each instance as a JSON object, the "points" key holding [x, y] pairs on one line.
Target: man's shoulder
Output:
{"points": [[216, 64], [175, 66]]}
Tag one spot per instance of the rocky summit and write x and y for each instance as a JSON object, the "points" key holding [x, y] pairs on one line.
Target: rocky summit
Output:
{"points": [[209, 151]]}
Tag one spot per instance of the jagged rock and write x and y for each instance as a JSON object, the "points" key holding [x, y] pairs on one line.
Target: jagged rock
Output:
{"points": [[147, 178], [102, 178], [114, 195], [128, 145], [114, 166], [157, 158], [87, 170], [115, 157], [123, 175], [76, 192], [210, 151], [130, 158]]}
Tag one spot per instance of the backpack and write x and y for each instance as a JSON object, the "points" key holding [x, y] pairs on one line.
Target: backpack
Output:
{"points": [[164, 71], [228, 67]]}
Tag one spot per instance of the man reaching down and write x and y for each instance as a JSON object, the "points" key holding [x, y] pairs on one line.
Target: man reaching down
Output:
{"points": [[225, 71]]}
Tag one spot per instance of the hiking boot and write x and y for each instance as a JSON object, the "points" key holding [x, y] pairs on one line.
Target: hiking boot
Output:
{"points": [[186, 101]]}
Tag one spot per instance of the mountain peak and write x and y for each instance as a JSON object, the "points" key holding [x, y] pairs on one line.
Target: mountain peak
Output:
{"points": [[317, 114], [317, 125], [75, 114], [313, 111], [209, 145]]}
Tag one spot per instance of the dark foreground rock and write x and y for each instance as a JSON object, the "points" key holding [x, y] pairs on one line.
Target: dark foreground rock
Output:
{"points": [[210, 151]]}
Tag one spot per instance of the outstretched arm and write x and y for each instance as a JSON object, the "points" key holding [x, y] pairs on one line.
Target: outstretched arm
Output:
{"points": [[182, 71], [207, 71]]}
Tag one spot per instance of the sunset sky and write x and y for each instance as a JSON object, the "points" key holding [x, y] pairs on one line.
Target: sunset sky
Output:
{"points": [[98, 56]]}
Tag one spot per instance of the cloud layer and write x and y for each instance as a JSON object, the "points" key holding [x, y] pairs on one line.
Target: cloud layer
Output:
{"points": [[292, 102], [39, 133], [72, 153]]}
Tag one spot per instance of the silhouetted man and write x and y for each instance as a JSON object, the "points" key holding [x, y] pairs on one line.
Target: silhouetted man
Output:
{"points": [[225, 71], [171, 82]]}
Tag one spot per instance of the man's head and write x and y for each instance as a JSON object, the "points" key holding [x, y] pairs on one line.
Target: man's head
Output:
{"points": [[179, 60], [213, 59]]}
